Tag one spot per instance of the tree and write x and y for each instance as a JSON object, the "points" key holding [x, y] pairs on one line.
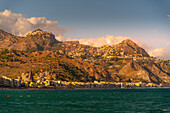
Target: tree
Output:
{"points": [[114, 59]]}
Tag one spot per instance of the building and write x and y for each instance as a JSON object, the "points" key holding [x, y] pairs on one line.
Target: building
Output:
{"points": [[9, 82], [30, 76]]}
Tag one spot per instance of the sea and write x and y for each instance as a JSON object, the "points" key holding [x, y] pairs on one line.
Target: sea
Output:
{"points": [[85, 101]]}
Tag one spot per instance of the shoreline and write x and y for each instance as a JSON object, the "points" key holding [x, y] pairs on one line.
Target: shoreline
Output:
{"points": [[80, 88]]}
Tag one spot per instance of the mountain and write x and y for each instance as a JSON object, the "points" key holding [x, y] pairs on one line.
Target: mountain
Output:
{"points": [[130, 48], [37, 40], [40, 40], [7, 39], [125, 61]]}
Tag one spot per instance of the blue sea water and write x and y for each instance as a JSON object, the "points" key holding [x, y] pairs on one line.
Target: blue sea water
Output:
{"points": [[85, 101]]}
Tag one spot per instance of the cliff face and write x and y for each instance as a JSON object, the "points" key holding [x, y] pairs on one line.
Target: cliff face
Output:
{"points": [[147, 72]]}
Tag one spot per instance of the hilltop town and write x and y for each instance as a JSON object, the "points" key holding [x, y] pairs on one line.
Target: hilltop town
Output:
{"points": [[40, 61]]}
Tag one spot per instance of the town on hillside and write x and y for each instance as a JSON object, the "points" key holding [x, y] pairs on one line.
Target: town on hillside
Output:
{"points": [[40, 61]]}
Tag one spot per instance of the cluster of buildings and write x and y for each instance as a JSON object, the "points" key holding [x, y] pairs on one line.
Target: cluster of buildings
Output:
{"points": [[9, 82], [103, 84], [48, 80], [41, 79]]}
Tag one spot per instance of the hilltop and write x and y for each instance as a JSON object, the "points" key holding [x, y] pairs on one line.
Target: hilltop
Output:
{"points": [[129, 47], [37, 40]]}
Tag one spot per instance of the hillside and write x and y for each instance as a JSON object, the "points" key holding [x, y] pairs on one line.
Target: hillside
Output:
{"points": [[7, 39], [72, 61], [135, 71], [14, 63]]}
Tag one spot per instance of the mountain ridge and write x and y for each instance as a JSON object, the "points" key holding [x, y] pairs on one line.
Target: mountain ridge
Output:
{"points": [[43, 40]]}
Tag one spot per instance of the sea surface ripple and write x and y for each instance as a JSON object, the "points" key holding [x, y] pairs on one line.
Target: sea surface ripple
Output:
{"points": [[85, 101]]}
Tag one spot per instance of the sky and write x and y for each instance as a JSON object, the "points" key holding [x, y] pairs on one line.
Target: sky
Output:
{"points": [[94, 22]]}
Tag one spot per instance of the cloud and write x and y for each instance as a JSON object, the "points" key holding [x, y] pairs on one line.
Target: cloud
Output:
{"points": [[19, 25], [168, 15], [168, 43], [162, 53], [141, 44], [109, 40], [100, 41]]}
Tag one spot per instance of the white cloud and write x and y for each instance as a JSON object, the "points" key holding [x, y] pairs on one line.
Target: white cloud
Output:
{"points": [[141, 44], [168, 15], [109, 40], [19, 25], [100, 41], [160, 53]]}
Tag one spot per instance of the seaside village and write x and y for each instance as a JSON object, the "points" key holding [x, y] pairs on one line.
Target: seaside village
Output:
{"points": [[46, 80]]}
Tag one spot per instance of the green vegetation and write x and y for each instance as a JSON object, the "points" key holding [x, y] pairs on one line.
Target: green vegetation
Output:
{"points": [[4, 51], [3, 64]]}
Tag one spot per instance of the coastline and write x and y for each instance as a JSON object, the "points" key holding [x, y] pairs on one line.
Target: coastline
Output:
{"points": [[82, 88]]}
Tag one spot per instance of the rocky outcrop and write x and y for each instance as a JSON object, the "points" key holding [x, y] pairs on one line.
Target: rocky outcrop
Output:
{"points": [[37, 40]]}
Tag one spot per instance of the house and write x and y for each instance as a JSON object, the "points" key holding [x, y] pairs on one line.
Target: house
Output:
{"points": [[9, 82], [122, 53], [16, 83]]}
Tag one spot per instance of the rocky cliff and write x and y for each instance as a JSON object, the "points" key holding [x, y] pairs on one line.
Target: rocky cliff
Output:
{"points": [[136, 72]]}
